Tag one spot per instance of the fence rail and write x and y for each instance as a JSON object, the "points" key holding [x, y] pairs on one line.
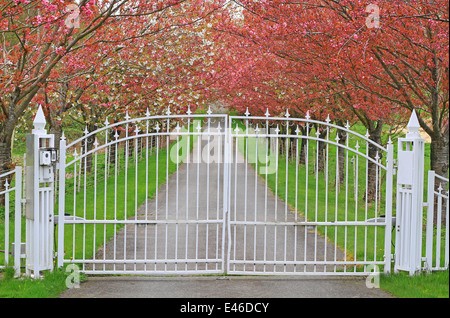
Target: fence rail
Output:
{"points": [[437, 223], [11, 231]]}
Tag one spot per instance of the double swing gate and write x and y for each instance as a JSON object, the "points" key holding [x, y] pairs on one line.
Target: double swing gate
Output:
{"points": [[218, 194], [204, 194]]}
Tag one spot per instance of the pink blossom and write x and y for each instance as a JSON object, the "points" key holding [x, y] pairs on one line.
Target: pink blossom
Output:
{"points": [[60, 50]]}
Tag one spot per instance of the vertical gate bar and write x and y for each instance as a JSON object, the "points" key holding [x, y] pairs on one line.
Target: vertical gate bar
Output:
{"points": [[17, 221], [146, 189], [40, 257], [95, 202], [6, 221], [326, 191], [256, 195], [388, 208], [84, 196], [74, 203], [398, 220], [176, 195], [136, 173], [399, 255], [316, 204], [377, 189], [235, 194], [246, 140], [167, 188], [286, 191], [225, 195], [188, 159], [47, 230], [156, 191], [306, 190], [446, 232], [49, 222], [266, 186], [346, 199], [43, 227], [107, 155], [38, 234], [277, 149], [407, 220], [438, 226], [116, 136], [126, 192], [208, 187], [61, 199], [199, 159], [366, 200], [356, 201], [218, 161], [146, 169], [296, 197], [226, 238], [80, 169], [48, 236], [336, 200], [430, 220]]}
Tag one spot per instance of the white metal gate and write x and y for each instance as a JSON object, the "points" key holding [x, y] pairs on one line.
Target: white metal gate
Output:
{"points": [[437, 240], [148, 199], [297, 200], [184, 194], [11, 205]]}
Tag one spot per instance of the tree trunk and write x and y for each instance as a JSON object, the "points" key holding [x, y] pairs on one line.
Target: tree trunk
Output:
{"points": [[320, 157], [439, 154], [303, 154], [439, 158], [375, 136], [341, 156], [6, 133], [57, 131]]}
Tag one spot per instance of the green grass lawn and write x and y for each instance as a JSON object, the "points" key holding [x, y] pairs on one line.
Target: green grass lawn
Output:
{"points": [[50, 286], [434, 285]]}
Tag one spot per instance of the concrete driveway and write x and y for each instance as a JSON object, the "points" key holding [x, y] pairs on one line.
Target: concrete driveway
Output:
{"points": [[225, 287]]}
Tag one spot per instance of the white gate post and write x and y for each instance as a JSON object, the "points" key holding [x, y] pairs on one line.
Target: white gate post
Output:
{"points": [[40, 160], [388, 216], [408, 242], [61, 199], [18, 222]]}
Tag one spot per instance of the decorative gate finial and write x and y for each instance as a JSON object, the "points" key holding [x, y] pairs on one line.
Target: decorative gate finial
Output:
{"points": [[39, 121], [413, 126]]}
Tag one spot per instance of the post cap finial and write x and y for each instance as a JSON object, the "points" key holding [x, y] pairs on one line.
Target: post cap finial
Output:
{"points": [[39, 121], [413, 125]]}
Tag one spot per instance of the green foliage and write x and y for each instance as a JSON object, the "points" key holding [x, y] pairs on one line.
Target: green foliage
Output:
{"points": [[50, 286], [433, 285]]}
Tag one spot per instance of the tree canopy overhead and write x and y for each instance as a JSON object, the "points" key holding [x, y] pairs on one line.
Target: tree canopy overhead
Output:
{"points": [[367, 61]]}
